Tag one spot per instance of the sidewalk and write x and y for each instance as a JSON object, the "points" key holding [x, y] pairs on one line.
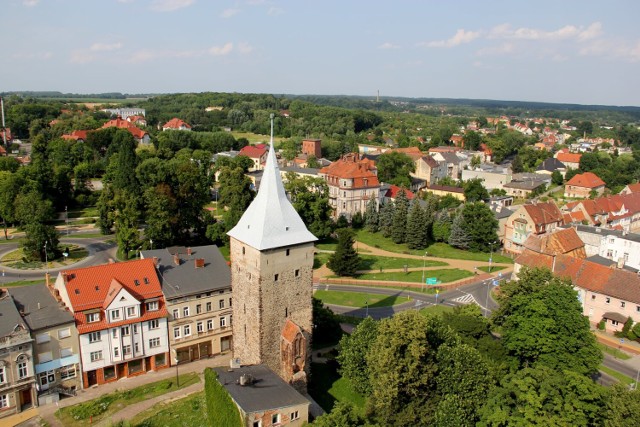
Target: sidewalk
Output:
{"points": [[47, 412]]}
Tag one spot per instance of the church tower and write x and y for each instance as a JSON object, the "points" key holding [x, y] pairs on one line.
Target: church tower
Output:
{"points": [[271, 277]]}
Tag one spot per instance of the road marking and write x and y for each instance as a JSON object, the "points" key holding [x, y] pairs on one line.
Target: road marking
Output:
{"points": [[466, 299]]}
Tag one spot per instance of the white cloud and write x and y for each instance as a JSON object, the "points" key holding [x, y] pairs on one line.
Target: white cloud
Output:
{"points": [[275, 11], [81, 57], [504, 31], [103, 47], [226, 49], [245, 48], [592, 31], [124, 1], [460, 37], [36, 55], [388, 45], [502, 49], [228, 13], [170, 5], [613, 49], [30, 3]]}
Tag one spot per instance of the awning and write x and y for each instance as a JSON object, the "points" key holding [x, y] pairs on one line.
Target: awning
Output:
{"points": [[615, 316]]}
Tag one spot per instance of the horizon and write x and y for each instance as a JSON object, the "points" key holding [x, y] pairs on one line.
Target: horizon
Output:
{"points": [[571, 52]]}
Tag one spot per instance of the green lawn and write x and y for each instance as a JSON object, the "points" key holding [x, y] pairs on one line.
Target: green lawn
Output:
{"points": [[440, 250], [15, 259], [327, 388], [83, 213], [359, 299], [619, 354], [436, 310], [320, 259], [83, 414], [225, 251], [617, 375], [493, 268], [372, 262], [190, 411], [445, 275], [328, 244], [256, 138], [24, 282]]}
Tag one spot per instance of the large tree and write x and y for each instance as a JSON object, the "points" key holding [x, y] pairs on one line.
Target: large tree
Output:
{"points": [[353, 355], [235, 195], [345, 260], [399, 225], [310, 198], [417, 227], [480, 226], [474, 190], [395, 168]]}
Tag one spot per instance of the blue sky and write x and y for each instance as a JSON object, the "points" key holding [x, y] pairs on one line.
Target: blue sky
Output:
{"points": [[584, 51]]}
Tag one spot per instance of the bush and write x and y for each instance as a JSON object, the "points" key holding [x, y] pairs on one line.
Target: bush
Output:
{"points": [[221, 410], [601, 325]]}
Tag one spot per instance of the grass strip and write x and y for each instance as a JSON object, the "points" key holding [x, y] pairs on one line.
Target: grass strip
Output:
{"points": [[359, 299]]}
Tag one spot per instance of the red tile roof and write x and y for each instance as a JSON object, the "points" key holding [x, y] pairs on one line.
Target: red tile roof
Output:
{"points": [[568, 157], [76, 135], [611, 206], [634, 188], [413, 152], [586, 180], [290, 331], [350, 166], [544, 213], [559, 242], [175, 123], [123, 124], [394, 190], [254, 151]]}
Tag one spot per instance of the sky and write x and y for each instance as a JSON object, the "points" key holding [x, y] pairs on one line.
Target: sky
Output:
{"points": [[564, 51]]}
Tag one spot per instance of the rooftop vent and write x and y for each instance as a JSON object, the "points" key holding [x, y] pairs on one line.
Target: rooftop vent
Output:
{"points": [[146, 280], [246, 379], [77, 291], [176, 259], [136, 282]]}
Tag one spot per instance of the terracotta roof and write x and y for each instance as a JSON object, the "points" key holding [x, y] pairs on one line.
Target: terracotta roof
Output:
{"points": [[394, 190], [175, 123], [430, 161], [556, 243], [443, 148], [634, 188], [350, 166], [413, 152], [586, 180], [76, 135], [544, 213], [290, 331], [615, 316], [534, 260], [577, 216], [88, 287], [568, 157], [253, 151], [123, 124], [611, 206]]}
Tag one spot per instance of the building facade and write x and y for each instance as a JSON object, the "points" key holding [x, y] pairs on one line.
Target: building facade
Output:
{"points": [[196, 283], [527, 220], [121, 317]]}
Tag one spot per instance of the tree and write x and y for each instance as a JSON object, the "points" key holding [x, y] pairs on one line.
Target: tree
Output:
{"points": [[386, 215], [474, 191], [371, 215], [399, 225], [235, 195], [342, 415], [345, 260], [479, 225], [10, 186], [622, 406], [126, 223], [417, 228], [326, 327], [310, 197], [458, 236], [543, 324], [353, 355], [395, 168], [441, 230], [516, 165], [543, 396], [472, 141], [556, 178]]}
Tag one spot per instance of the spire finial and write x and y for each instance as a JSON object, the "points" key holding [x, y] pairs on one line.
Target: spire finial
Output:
{"points": [[271, 116]]}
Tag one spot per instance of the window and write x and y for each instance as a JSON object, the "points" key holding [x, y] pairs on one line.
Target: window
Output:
{"points": [[135, 329], [64, 333], [115, 315], [152, 306], [125, 331], [131, 312], [614, 322], [154, 324], [208, 306], [187, 330], [593, 297], [607, 300], [275, 418], [47, 356], [297, 273], [176, 313], [200, 327], [94, 337], [287, 252], [176, 332], [46, 378], [93, 317], [126, 350], [67, 372], [136, 347], [223, 322], [622, 304], [160, 359], [185, 311], [221, 303], [66, 352], [154, 342], [610, 253], [114, 333], [638, 308], [257, 423], [95, 355], [198, 308], [116, 351], [275, 278], [295, 415], [230, 299], [41, 338], [209, 324], [3, 376]]}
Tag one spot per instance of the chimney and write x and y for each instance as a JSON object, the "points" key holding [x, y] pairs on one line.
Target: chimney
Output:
{"points": [[38, 306], [189, 251], [155, 260], [47, 280], [620, 262], [199, 262], [176, 259]]}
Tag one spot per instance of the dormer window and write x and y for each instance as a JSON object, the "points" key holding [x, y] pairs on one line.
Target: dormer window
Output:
{"points": [[92, 317], [152, 306]]}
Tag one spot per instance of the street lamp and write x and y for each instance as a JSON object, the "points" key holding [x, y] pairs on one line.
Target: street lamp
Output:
{"points": [[177, 377], [46, 258], [367, 309], [151, 243], [66, 219], [424, 260]]}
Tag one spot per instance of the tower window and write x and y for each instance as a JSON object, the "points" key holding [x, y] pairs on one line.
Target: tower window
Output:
{"points": [[243, 250], [275, 277], [286, 312], [297, 273], [287, 252]]}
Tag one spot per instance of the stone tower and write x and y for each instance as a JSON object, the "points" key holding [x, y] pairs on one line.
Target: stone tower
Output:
{"points": [[271, 277]]}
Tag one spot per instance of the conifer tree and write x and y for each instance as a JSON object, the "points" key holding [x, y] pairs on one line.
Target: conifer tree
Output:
{"points": [[385, 218], [441, 228], [399, 225], [371, 215], [459, 237], [345, 260], [417, 230]]}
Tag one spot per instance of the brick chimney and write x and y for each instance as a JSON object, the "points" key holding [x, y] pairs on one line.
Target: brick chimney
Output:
{"points": [[176, 259], [189, 251]]}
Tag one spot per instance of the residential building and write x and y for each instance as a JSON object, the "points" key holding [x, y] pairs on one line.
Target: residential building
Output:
{"points": [[611, 295], [125, 112], [137, 120], [428, 169], [620, 211], [446, 190], [176, 124], [141, 136], [493, 177], [450, 161], [524, 189], [121, 317], [271, 253], [564, 241], [570, 160], [620, 247], [257, 153], [389, 193], [263, 398], [530, 219], [550, 165], [502, 215], [583, 184], [631, 188], [312, 147], [76, 135], [55, 346], [196, 283], [352, 182], [17, 380]]}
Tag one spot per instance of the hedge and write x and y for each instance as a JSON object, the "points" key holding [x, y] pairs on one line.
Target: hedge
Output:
{"points": [[221, 411]]}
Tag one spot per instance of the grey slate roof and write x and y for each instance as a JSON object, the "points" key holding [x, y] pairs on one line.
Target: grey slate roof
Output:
{"points": [[49, 314], [634, 237], [269, 391], [185, 279], [502, 213], [295, 169], [271, 221], [551, 164], [9, 316], [608, 262], [450, 157]]}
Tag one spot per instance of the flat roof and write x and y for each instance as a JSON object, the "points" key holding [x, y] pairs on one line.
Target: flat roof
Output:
{"points": [[268, 391]]}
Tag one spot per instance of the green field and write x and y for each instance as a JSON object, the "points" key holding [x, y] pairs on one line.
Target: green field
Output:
{"points": [[372, 262], [255, 138], [189, 411], [443, 275], [359, 299]]}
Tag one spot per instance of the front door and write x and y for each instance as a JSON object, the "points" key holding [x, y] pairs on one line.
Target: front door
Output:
{"points": [[92, 379], [25, 398]]}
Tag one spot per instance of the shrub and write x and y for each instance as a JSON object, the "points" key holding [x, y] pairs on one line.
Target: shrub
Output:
{"points": [[221, 410], [601, 325]]}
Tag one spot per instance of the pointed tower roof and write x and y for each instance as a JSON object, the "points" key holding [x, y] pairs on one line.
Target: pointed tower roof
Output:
{"points": [[271, 221]]}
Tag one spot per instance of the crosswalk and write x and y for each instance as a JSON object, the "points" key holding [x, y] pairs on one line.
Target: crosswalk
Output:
{"points": [[466, 299]]}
